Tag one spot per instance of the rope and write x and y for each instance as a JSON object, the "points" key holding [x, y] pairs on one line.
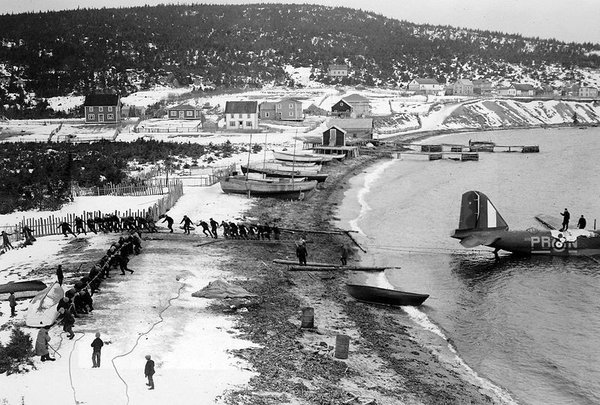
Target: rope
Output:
{"points": [[70, 373], [140, 336]]}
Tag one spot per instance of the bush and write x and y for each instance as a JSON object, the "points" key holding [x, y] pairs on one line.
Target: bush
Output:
{"points": [[17, 352]]}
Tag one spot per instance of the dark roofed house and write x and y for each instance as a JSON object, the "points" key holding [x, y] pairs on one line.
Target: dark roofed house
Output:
{"points": [[353, 105], [355, 128], [523, 89], [241, 115], [334, 136], [185, 112], [102, 109]]}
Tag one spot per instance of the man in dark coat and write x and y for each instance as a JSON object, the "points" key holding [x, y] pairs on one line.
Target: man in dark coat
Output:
{"points": [[344, 254], [169, 222], [66, 229], [581, 224], [213, 227], [68, 321], [79, 226], [566, 216], [12, 301], [187, 224], [91, 224], [59, 274], [149, 371], [301, 252], [97, 348]]}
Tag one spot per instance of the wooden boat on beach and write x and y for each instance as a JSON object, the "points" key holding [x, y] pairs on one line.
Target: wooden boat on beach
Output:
{"points": [[267, 187], [386, 296], [22, 289], [303, 157], [284, 171]]}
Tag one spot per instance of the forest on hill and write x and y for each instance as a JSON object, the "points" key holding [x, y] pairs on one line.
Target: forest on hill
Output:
{"points": [[127, 49]]}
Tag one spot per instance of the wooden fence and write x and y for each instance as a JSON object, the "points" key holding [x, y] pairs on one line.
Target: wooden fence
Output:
{"points": [[51, 225], [153, 187]]}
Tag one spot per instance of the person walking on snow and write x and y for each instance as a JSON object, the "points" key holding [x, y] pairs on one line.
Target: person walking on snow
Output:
{"points": [[79, 226], [213, 227], [66, 229], [187, 224], [149, 372], [5, 242], [565, 224], [169, 222], [68, 321], [97, 347], [41, 344], [205, 230], [344, 254], [59, 274]]}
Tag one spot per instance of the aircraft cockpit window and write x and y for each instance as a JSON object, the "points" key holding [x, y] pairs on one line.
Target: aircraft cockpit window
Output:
{"points": [[532, 230]]}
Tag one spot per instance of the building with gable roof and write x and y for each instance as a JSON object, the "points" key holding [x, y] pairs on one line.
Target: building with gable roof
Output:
{"points": [[184, 112], [353, 105], [426, 86], [355, 128], [337, 71], [102, 108], [241, 115], [287, 109], [462, 87]]}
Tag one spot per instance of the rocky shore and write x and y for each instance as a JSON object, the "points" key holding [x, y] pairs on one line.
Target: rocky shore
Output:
{"points": [[388, 362]]}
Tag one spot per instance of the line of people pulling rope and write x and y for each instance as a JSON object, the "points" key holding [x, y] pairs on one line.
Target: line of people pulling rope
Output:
{"points": [[229, 230], [78, 299]]}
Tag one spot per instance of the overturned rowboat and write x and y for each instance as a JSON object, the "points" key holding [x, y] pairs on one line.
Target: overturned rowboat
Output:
{"points": [[378, 295], [21, 289]]}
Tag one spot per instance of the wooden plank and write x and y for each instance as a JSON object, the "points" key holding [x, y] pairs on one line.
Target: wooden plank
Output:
{"points": [[297, 267]]}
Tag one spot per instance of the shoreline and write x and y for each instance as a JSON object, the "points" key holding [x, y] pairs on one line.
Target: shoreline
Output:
{"points": [[387, 360]]}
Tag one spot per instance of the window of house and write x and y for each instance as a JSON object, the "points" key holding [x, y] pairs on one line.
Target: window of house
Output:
{"points": [[232, 123], [100, 109], [91, 109], [266, 114], [110, 108], [239, 115], [110, 116], [278, 106], [189, 113], [249, 124], [247, 115], [291, 113], [291, 106], [91, 117]]}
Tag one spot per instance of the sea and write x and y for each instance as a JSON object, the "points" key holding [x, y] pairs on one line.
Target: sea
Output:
{"points": [[529, 326]]}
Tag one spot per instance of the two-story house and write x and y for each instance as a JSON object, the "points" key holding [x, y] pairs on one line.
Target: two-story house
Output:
{"points": [[102, 108], [463, 87], [588, 92], [353, 105], [184, 112], [241, 115], [482, 87], [426, 86], [287, 109], [523, 89]]}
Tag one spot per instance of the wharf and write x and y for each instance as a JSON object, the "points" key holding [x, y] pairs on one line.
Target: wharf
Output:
{"points": [[448, 147], [458, 156]]}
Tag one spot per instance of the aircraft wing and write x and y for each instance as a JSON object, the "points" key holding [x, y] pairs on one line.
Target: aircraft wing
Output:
{"points": [[476, 240], [549, 221]]}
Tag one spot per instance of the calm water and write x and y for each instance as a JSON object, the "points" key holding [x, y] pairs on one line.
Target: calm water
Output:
{"points": [[530, 325]]}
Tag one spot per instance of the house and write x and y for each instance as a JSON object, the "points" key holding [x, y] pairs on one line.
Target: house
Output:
{"points": [[337, 71], [353, 105], [334, 136], [287, 109], [462, 87], [102, 108], [523, 90], [241, 115], [588, 92], [482, 87], [315, 110], [509, 91], [355, 128], [426, 86], [184, 112]]}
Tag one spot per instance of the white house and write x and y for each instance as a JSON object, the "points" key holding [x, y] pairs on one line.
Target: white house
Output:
{"points": [[241, 115]]}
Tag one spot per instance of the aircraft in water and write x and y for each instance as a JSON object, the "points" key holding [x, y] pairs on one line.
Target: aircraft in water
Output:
{"points": [[481, 224]]}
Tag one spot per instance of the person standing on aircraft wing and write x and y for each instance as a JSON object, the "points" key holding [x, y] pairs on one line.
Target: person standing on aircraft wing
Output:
{"points": [[566, 217], [581, 223]]}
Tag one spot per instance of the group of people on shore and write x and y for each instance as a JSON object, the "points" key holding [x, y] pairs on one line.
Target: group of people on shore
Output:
{"points": [[108, 223], [228, 229]]}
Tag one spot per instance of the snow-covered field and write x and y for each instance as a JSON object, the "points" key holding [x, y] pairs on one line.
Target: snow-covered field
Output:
{"points": [[149, 312]]}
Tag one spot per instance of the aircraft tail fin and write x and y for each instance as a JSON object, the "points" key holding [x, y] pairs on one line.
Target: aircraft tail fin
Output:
{"points": [[478, 213]]}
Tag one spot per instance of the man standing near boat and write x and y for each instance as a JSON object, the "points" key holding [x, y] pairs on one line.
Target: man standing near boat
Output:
{"points": [[344, 254], [581, 223], [12, 301], [301, 252], [566, 216]]}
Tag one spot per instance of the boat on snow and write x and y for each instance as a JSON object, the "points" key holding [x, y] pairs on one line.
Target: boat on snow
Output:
{"points": [[386, 296], [274, 170], [267, 187], [22, 289], [305, 157]]}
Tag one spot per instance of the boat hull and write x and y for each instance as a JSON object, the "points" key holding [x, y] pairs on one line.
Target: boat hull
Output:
{"points": [[262, 188], [310, 175], [385, 296], [303, 158], [22, 289]]}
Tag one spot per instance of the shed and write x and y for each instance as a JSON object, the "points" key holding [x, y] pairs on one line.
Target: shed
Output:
{"points": [[334, 136]]}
